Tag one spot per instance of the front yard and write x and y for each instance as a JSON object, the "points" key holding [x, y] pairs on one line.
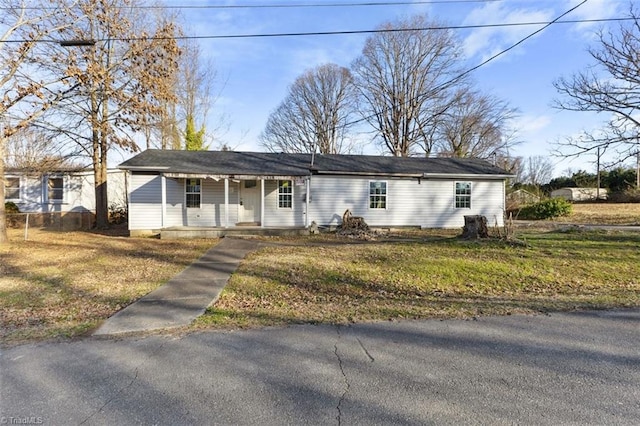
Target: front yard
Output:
{"points": [[436, 276], [61, 285]]}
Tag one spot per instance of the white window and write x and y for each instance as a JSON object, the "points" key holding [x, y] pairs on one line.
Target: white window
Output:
{"points": [[54, 189], [193, 193], [463, 195], [12, 188], [377, 195], [285, 194]]}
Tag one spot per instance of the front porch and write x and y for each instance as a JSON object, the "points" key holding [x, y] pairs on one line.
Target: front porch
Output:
{"points": [[177, 232]]}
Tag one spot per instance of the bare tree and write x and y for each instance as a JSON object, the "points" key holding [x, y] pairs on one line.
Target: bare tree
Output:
{"points": [[538, 170], [314, 115], [162, 127], [26, 91], [610, 86], [512, 165], [31, 150], [475, 125], [403, 77], [196, 98], [120, 80]]}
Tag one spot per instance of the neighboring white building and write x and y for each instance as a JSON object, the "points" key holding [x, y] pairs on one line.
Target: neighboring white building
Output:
{"points": [[61, 191], [228, 189], [580, 194]]}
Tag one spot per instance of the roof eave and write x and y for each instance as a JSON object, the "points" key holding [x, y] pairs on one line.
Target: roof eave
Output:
{"points": [[143, 168], [329, 172], [218, 176], [467, 176]]}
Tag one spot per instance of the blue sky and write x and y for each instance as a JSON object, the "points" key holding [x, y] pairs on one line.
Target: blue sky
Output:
{"points": [[256, 72]]}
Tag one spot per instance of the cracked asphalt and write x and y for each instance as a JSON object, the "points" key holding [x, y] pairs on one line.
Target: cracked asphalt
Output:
{"points": [[574, 368]]}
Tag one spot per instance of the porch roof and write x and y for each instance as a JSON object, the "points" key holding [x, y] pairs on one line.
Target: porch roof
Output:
{"points": [[219, 163], [266, 164]]}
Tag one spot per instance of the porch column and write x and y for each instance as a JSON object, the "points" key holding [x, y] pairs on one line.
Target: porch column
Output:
{"points": [[163, 190], [226, 202], [306, 204], [262, 203]]}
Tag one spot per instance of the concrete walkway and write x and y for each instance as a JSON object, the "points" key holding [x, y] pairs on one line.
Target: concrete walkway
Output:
{"points": [[185, 296]]}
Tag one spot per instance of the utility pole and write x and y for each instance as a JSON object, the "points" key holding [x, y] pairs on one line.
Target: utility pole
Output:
{"points": [[598, 176]]}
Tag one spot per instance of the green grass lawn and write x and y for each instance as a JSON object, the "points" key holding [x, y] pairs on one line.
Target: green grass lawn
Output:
{"points": [[326, 280]]}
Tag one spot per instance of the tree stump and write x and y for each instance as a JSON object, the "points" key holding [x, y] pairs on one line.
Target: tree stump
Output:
{"points": [[351, 222], [353, 226], [475, 227]]}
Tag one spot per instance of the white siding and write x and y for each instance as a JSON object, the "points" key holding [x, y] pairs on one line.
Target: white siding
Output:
{"points": [[275, 216], [30, 195], [214, 200], [175, 202], [410, 202], [487, 199], [212, 210], [116, 188], [145, 202], [79, 192], [428, 203]]}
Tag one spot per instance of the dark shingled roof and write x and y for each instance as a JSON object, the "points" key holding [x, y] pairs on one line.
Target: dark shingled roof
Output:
{"points": [[274, 164]]}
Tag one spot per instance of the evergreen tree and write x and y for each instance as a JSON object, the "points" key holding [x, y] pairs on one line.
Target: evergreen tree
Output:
{"points": [[194, 140]]}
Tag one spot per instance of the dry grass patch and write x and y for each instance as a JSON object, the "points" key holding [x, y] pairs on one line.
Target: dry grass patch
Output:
{"points": [[604, 213], [430, 278], [63, 284]]}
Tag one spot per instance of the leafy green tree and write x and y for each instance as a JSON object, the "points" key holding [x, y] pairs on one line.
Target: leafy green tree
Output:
{"points": [[585, 179], [194, 139], [619, 179]]}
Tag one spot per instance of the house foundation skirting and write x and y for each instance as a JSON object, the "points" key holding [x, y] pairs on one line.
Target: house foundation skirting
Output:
{"points": [[238, 231]]}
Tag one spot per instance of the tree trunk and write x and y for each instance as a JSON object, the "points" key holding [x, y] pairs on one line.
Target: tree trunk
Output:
{"points": [[3, 219], [475, 227], [100, 175]]}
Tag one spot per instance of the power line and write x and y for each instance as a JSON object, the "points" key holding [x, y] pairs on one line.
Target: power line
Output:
{"points": [[519, 42], [347, 32], [440, 87], [390, 30]]}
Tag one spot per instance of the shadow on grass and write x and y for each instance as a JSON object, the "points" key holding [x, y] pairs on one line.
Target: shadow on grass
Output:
{"points": [[64, 283]]}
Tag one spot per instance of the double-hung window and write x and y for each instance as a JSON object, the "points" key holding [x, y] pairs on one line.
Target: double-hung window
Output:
{"points": [[12, 188], [55, 189], [377, 195], [463, 195], [285, 194], [193, 193]]}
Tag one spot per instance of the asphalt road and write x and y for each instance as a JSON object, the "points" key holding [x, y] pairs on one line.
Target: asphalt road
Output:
{"points": [[578, 368]]}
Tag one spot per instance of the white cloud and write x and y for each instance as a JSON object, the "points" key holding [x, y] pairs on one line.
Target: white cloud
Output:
{"points": [[486, 42], [531, 124], [592, 10]]}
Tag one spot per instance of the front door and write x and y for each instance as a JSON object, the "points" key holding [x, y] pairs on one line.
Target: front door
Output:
{"points": [[250, 202]]}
